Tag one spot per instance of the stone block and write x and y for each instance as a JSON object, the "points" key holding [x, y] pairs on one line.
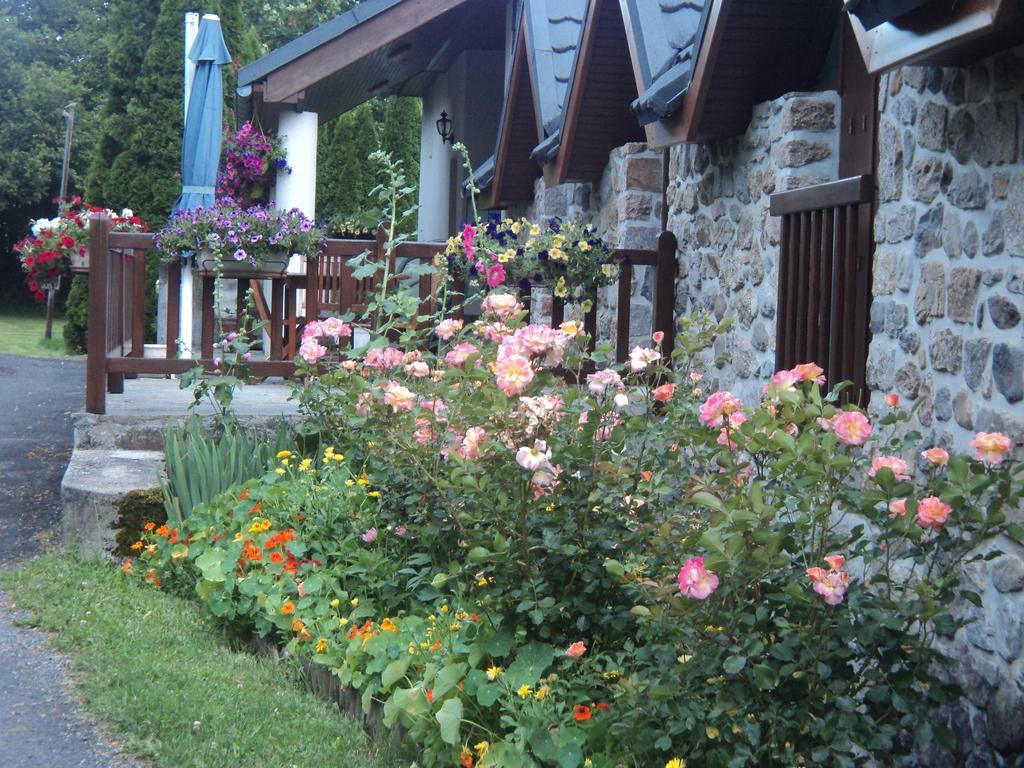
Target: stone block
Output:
{"points": [[946, 351], [896, 318], [899, 226], [1008, 371], [1013, 216], [928, 233], [796, 153], [992, 241], [926, 179], [1007, 573], [1004, 717], [808, 114], [93, 483], [976, 353], [995, 137], [971, 241], [951, 230], [880, 367], [643, 173], [908, 381], [884, 275], [1015, 280], [942, 404], [1004, 313], [905, 109], [930, 300], [963, 293], [635, 205], [931, 126], [963, 410], [960, 135], [905, 272], [968, 191]]}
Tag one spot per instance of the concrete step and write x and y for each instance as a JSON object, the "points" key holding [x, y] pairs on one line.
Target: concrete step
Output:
{"points": [[94, 481]]}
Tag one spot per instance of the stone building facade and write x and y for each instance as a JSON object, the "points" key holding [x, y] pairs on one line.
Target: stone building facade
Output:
{"points": [[947, 291]]}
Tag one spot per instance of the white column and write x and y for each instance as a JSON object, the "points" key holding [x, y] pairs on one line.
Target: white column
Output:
{"points": [[187, 317], [435, 166], [298, 132]]}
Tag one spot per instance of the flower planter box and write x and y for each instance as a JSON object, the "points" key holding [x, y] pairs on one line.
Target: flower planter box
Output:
{"points": [[276, 264], [79, 262]]}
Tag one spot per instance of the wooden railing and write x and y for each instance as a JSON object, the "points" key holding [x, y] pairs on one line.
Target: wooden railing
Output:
{"points": [[117, 304], [825, 279]]}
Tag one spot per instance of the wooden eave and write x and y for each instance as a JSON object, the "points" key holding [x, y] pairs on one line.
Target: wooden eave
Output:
{"points": [[361, 41], [514, 170], [938, 34], [597, 117], [752, 51]]}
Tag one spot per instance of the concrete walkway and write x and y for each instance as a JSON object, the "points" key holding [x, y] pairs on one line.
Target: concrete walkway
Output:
{"points": [[41, 724]]}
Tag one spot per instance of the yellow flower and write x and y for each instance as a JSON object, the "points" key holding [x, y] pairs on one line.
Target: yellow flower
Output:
{"points": [[524, 691], [321, 645], [151, 549], [412, 649], [335, 603], [560, 290], [676, 762], [516, 226], [493, 672], [542, 692], [374, 494], [608, 270], [507, 256], [482, 581], [279, 471], [588, 761], [556, 254], [445, 608], [534, 230], [481, 748], [305, 464], [362, 479], [342, 622], [711, 731], [354, 602], [350, 482], [570, 328], [388, 626], [587, 305], [584, 246], [284, 454], [558, 241], [238, 537], [265, 525]]}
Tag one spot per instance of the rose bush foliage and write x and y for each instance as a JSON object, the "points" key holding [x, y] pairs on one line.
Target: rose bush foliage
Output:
{"points": [[530, 556]]}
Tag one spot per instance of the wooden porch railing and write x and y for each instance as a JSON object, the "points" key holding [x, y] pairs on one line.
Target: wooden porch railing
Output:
{"points": [[825, 279], [117, 304]]}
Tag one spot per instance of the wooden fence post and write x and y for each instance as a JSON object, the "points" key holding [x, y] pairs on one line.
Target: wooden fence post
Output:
{"points": [[96, 363], [665, 291]]}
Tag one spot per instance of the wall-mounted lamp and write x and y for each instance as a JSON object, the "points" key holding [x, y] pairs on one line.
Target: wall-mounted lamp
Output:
{"points": [[444, 128]]}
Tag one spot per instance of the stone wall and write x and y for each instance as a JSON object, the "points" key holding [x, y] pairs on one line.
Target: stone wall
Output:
{"points": [[728, 244], [946, 323], [625, 207]]}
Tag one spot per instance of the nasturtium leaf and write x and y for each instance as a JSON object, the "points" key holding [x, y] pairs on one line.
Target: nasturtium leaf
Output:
{"points": [[449, 717], [211, 564], [395, 671], [530, 664]]}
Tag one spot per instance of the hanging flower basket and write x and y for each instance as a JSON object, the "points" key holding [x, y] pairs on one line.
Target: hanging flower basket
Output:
{"points": [[275, 263]]}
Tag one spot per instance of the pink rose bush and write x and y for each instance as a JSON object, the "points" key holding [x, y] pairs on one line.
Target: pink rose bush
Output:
{"points": [[695, 581]]}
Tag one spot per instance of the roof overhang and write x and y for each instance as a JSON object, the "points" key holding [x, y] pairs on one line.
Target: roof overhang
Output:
{"points": [[934, 32], [379, 48]]}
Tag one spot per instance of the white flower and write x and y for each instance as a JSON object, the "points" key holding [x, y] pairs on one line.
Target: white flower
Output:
{"points": [[534, 458], [621, 400], [127, 213], [641, 357]]}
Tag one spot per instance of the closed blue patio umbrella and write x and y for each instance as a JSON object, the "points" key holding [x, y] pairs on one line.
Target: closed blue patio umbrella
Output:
{"points": [[200, 146]]}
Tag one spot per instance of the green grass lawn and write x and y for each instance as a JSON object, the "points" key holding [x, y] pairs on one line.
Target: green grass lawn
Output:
{"points": [[21, 333], [164, 678]]}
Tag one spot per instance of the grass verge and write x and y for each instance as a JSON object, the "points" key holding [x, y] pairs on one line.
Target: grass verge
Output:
{"points": [[165, 679], [21, 333]]}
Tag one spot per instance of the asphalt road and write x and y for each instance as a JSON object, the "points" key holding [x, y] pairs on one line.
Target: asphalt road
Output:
{"points": [[42, 725]]}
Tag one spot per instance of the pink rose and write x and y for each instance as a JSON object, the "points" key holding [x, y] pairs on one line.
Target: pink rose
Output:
{"points": [[717, 406], [447, 329], [695, 581], [991, 447], [937, 456], [576, 650], [641, 357], [898, 508], [459, 354], [534, 458], [809, 372], [398, 397], [932, 512], [599, 381], [898, 466], [513, 374], [831, 585], [664, 393], [311, 350], [370, 536], [851, 427], [500, 305]]}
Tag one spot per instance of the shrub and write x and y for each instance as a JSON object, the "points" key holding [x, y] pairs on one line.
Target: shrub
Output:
{"points": [[76, 316], [527, 572]]}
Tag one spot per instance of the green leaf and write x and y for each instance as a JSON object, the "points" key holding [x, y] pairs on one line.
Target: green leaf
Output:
{"points": [[211, 564], [615, 568], [530, 664], [734, 664], [764, 676], [448, 678], [705, 499], [395, 671], [449, 717], [479, 554]]}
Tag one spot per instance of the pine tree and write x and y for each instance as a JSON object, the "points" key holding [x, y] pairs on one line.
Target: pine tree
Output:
{"points": [[344, 173], [133, 20]]}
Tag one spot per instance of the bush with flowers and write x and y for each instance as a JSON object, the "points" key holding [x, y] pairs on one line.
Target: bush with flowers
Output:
{"points": [[529, 556], [250, 164], [48, 251]]}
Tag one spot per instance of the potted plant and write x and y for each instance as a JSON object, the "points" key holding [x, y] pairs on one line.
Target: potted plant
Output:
{"points": [[251, 163], [55, 246], [229, 240]]}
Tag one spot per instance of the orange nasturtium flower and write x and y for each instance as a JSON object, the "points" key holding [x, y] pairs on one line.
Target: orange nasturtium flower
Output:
{"points": [[288, 608], [298, 625], [581, 713]]}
